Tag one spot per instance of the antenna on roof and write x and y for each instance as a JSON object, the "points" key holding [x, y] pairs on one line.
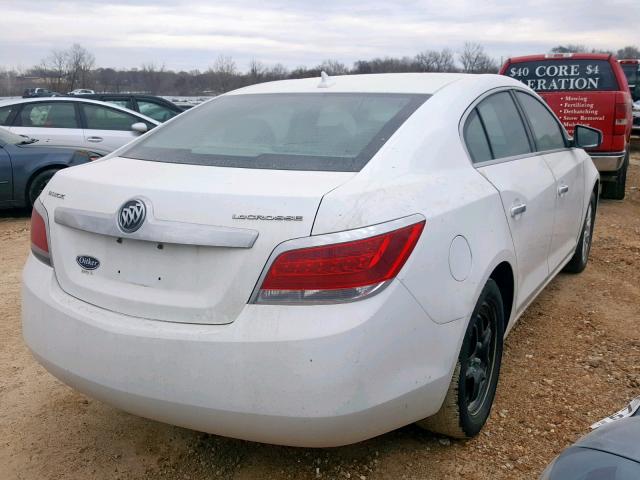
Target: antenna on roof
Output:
{"points": [[325, 80]]}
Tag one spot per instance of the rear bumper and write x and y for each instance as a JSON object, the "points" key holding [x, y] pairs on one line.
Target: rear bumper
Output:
{"points": [[317, 376], [608, 162]]}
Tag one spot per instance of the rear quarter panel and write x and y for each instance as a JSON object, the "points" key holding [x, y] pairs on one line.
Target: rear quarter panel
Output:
{"points": [[425, 169]]}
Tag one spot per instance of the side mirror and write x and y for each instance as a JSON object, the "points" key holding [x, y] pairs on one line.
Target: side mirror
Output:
{"points": [[139, 127], [586, 137]]}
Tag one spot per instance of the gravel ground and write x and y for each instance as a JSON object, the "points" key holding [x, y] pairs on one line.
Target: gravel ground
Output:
{"points": [[573, 358]]}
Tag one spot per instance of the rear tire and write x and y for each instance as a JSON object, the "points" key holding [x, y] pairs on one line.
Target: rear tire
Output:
{"points": [[615, 190], [469, 398], [37, 184], [581, 256]]}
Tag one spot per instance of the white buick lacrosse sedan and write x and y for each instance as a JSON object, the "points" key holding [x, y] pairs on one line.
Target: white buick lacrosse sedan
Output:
{"points": [[311, 262]]}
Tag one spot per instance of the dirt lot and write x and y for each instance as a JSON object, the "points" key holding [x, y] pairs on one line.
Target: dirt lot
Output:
{"points": [[573, 358]]}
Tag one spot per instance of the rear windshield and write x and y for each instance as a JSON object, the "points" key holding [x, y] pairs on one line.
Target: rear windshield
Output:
{"points": [[283, 131], [565, 75]]}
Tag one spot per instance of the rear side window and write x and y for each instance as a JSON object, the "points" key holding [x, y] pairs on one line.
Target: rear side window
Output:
{"points": [[631, 72], [5, 114], [102, 118], [503, 124], [546, 129], [47, 115], [156, 111], [476, 140], [565, 75], [282, 131]]}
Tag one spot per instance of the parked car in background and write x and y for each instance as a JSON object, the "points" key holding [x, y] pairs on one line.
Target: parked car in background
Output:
{"points": [[151, 106], [589, 89], [26, 167], [38, 92], [636, 116], [631, 68], [610, 452], [74, 122], [81, 91], [312, 262]]}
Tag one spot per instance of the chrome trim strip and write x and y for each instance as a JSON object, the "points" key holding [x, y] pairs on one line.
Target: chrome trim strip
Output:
{"points": [[330, 238], [159, 231], [606, 154]]}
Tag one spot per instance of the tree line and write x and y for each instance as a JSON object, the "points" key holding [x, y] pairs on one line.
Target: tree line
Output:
{"points": [[68, 69]]}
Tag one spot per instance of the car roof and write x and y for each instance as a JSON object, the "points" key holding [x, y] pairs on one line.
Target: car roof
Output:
{"points": [[560, 56], [15, 101], [416, 83], [135, 95]]}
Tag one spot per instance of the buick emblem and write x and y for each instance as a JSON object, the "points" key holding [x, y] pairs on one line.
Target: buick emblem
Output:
{"points": [[131, 215]]}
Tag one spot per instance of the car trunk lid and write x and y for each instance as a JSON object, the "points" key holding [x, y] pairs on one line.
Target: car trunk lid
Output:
{"points": [[207, 235]]}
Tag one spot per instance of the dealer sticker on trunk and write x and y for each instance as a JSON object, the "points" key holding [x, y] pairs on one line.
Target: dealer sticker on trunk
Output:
{"points": [[87, 262]]}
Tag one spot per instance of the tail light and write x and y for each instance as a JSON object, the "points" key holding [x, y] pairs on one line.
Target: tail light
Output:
{"points": [[622, 114], [40, 233], [335, 272]]}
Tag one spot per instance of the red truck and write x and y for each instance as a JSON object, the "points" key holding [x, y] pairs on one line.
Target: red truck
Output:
{"points": [[586, 89]]}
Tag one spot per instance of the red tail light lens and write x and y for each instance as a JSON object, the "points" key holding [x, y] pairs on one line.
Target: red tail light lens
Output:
{"points": [[340, 271], [39, 237], [622, 115]]}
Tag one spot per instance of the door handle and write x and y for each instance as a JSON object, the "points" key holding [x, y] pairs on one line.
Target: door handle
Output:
{"points": [[562, 189], [94, 139], [518, 209]]}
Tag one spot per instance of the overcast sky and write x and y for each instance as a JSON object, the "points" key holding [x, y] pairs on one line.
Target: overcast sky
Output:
{"points": [[185, 35]]}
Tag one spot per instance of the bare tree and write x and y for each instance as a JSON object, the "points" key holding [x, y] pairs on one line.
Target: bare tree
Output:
{"points": [[434, 61], [474, 59], [80, 62], [256, 69], [222, 74], [570, 48], [334, 67], [152, 77], [67, 69], [577, 48], [277, 72], [386, 65], [630, 51], [54, 69]]}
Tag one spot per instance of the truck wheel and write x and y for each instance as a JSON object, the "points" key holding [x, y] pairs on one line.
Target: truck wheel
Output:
{"points": [[468, 402], [615, 190], [581, 256], [37, 184]]}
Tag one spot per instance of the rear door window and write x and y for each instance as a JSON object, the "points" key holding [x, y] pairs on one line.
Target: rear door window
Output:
{"points": [[103, 118], [282, 131], [546, 130], [565, 75], [47, 115], [476, 139], [502, 122]]}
